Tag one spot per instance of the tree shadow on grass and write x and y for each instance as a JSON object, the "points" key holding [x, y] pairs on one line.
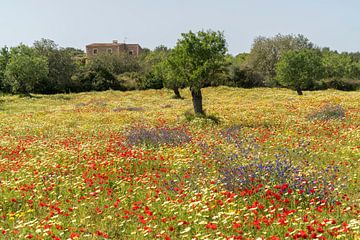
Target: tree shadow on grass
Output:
{"points": [[189, 116], [29, 95]]}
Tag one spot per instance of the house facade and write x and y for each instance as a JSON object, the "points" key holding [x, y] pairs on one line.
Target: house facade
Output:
{"points": [[115, 47]]}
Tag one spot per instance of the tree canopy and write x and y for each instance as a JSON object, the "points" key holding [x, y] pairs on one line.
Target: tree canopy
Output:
{"points": [[339, 65], [25, 69], [4, 60], [61, 65], [299, 69], [197, 58], [267, 51]]}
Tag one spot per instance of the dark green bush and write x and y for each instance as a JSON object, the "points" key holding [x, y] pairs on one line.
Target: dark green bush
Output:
{"points": [[99, 78], [245, 78], [130, 80], [319, 85], [150, 81], [344, 84]]}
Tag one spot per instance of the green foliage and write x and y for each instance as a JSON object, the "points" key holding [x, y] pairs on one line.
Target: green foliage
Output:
{"points": [[116, 63], [299, 69], [151, 67], [25, 69], [240, 59], [266, 52], [245, 78], [101, 73], [344, 84], [239, 74], [96, 76], [103, 79], [339, 65], [355, 56], [4, 60], [61, 67], [74, 52], [170, 79], [130, 80], [153, 58], [150, 81], [197, 58]]}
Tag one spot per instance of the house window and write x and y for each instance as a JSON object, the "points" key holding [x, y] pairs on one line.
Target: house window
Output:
{"points": [[95, 51], [109, 50], [131, 52]]}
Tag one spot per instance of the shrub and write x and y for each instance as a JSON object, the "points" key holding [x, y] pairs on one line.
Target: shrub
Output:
{"points": [[62, 65], [149, 81], [25, 70], [319, 85], [154, 137], [343, 84], [245, 78], [328, 112], [129, 80], [272, 83], [95, 77]]}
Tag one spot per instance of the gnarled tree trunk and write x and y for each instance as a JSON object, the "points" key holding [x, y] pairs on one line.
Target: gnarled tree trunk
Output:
{"points": [[177, 92], [197, 100]]}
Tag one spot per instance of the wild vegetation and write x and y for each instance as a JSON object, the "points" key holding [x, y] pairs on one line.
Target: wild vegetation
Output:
{"points": [[47, 68], [128, 165], [209, 162]]}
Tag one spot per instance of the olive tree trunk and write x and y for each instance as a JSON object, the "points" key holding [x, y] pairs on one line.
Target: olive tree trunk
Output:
{"points": [[177, 92], [197, 101], [299, 91]]}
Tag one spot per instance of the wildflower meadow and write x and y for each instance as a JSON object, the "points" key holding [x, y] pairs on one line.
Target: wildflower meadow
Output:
{"points": [[130, 165]]}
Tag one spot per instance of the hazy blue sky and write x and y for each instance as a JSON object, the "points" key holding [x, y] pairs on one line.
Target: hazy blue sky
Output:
{"points": [[332, 23]]}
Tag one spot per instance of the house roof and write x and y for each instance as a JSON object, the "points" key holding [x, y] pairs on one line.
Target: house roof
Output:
{"points": [[111, 44], [102, 44]]}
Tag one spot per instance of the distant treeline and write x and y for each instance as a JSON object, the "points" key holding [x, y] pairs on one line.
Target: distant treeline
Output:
{"points": [[47, 68]]}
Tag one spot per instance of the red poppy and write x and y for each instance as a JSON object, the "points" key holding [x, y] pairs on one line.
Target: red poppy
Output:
{"points": [[211, 226], [74, 235]]}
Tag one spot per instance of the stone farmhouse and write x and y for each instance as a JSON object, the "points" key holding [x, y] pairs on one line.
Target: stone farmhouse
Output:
{"points": [[115, 47]]}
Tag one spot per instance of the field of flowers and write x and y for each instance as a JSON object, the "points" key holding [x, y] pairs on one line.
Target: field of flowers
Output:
{"points": [[128, 165]]}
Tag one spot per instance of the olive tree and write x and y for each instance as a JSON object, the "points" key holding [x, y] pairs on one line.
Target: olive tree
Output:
{"points": [[61, 65], [170, 78], [152, 67], [196, 59], [267, 51], [338, 65], [25, 69], [299, 69]]}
